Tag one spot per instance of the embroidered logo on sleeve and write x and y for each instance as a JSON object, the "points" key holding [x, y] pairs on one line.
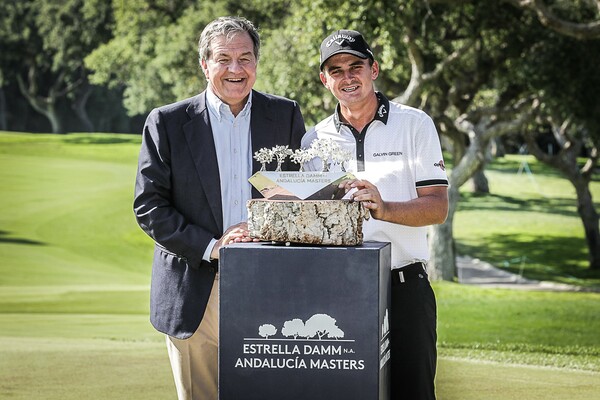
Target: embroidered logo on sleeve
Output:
{"points": [[440, 164]]}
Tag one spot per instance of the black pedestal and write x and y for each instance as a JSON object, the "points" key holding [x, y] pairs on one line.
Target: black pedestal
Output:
{"points": [[299, 322]]}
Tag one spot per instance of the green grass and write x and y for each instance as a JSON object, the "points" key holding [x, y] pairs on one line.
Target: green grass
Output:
{"points": [[528, 224], [75, 271], [552, 329], [460, 379], [63, 368]]}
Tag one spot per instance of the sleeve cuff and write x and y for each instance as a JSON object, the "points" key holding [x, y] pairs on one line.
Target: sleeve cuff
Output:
{"points": [[209, 248]]}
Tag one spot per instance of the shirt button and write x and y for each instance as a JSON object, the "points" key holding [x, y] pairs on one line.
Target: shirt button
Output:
{"points": [[236, 202]]}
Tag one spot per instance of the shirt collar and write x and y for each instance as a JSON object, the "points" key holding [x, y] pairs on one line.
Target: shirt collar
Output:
{"points": [[383, 107], [218, 108]]}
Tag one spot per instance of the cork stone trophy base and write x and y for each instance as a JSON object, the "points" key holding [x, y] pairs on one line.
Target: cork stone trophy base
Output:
{"points": [[325, 222], [305, 207]]}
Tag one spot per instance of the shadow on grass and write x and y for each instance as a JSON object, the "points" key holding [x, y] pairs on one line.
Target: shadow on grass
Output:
{"points": [[563, 257], [494, 202], [11, 240], [512, 167], [102, 139]]}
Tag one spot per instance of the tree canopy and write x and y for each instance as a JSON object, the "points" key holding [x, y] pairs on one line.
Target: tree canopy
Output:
{"points": [[483, 70], [46, 41]]}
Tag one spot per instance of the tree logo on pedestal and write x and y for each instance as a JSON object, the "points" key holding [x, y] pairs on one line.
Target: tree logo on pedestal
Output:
{"points": [[319, 326]]}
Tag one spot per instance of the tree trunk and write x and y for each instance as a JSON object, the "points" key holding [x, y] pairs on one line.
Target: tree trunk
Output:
{"points": [[55, 119], [441, 245], [44, 105], [590, 219], [479, 182], [442, 261], [79, 105], [497, 148], [566, 162], [3, 123], [442, 255]]}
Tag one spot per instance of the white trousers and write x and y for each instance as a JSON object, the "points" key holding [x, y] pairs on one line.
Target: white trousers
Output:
{"points": [[194, 361]]}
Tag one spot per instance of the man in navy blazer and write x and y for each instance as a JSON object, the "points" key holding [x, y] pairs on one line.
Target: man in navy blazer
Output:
{"points": [[191, 190]]}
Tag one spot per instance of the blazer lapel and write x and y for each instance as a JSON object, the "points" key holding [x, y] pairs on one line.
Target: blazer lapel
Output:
{"points": [[259, 127], [198, 134]]}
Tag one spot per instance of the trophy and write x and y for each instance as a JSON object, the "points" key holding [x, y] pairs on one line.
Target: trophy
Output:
{"points": [[305, 206], [302, 185]]}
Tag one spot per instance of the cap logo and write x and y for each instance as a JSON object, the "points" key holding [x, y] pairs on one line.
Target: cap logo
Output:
{"points": [[339, 39]]}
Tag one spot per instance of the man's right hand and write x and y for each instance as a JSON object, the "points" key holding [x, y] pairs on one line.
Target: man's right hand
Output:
{"points": [[234, 234]]}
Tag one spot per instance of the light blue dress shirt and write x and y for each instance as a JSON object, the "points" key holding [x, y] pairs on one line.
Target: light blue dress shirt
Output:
{"points": [[234, 155]]}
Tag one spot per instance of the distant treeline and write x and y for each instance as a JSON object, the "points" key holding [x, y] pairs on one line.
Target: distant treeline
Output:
{"points": [[97, 65]]}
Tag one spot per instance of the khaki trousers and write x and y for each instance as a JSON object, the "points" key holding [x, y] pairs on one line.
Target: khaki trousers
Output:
{"points": [[194, 361]]}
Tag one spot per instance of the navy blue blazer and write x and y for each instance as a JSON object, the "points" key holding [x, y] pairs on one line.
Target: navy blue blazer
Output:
{"points": [[178, 198]]}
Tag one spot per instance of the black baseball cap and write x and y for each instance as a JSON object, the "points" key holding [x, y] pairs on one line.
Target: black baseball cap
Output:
{"points": [[345, 41]]}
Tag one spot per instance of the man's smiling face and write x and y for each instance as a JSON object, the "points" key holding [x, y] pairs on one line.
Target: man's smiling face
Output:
{"points": [[349, 78], [231, 69]]}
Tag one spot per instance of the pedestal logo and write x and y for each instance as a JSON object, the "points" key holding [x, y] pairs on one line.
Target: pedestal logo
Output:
{"points": [[317, 343]]}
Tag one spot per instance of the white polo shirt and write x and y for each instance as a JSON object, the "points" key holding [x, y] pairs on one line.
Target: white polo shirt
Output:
{"points": [[399, 152]]}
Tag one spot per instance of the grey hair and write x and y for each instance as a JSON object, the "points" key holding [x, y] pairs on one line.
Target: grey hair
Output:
{"points": [[228, 27]]}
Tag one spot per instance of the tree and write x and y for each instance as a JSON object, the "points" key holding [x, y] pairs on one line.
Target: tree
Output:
{"points": [[154, 52], [571, 117], [294, 328], [458, 60], [572, 141], [471, 65], [48, 40], [267, 330], [297, 74], [336, 333], [543, 55], [322, 324], [3, 123], [569, 25]]}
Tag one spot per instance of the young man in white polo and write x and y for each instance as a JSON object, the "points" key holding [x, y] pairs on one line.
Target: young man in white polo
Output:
{"points": [[401, 179]]}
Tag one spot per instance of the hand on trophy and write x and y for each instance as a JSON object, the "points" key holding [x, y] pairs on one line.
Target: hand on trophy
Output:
{"points": [[234, 234], [367, 193]]}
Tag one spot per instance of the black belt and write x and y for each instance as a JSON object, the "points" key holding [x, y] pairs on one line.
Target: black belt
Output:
{"points": [[411, 271]]}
